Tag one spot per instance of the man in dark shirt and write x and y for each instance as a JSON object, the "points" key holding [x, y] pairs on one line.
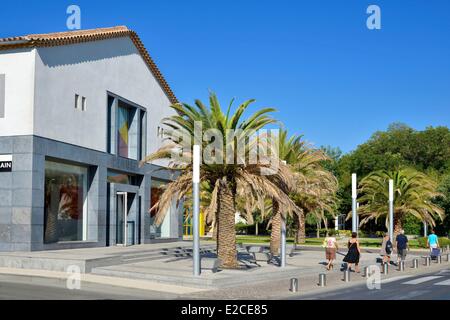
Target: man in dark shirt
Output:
{"points": [[402, 246]]}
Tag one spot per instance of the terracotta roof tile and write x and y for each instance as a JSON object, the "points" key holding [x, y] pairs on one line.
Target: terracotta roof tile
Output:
{"points": [[79, 36]]}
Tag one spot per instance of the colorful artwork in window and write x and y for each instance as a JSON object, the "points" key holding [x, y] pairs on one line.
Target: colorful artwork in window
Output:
{"points": [[123, 127]]}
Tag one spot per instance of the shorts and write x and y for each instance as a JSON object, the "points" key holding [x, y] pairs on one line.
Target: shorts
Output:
{"points": [[401, 254]]}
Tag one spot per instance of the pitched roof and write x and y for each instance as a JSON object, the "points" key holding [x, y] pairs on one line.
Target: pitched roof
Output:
{"points": [[79, 36]]}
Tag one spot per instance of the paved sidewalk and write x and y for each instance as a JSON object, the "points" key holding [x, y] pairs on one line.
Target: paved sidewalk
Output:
{"points": [[144, 268]]}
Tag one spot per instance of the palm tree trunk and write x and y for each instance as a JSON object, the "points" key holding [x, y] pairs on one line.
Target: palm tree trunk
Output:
{"points": [[256, 228], [301, 232], [226, 233], [275, 234], [398, 224], [214, 231]]}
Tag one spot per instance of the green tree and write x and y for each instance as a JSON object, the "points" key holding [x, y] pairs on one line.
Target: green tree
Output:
{"points": [[413, 194]]}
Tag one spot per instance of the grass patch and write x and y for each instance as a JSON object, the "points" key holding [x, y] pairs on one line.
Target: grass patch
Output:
{"points": [[364, 242]]}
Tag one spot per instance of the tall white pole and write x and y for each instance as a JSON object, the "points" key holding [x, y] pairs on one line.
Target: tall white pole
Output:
{"points": [[357, 217], [336, 223], [283, 239], [196, 208], [354, 196], [425, 229], [391, 209]]}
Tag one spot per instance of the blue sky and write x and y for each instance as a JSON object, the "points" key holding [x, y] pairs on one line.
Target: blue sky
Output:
{"points": [[332, 79]]}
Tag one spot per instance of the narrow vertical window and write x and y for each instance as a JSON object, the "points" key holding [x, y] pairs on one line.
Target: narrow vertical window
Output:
{"points": [[143, 131], [2, 95], [122, 136], [83, 104], [77, 101]]}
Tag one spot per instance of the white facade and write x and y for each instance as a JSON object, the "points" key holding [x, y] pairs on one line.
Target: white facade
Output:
{"points": [[18, 68], [41, 84]]}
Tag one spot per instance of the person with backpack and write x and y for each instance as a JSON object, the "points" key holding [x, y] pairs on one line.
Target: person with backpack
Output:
{"points": [[386, 249], [402, 246]]}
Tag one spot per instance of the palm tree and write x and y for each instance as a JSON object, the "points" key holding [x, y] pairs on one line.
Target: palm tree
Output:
{"points": [[225, 178], [316, 187], [288, 150], [413, 194]]}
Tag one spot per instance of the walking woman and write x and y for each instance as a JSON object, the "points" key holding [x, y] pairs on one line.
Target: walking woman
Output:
{"points": [[330, 250], [386, 249], [353, 253]]}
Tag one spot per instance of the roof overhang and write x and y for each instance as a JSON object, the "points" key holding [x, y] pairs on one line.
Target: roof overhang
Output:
{"points": [[80, 36]]}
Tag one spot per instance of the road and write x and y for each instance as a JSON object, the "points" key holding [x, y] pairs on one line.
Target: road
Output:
{"points": [[25, 288], [431, 286]]}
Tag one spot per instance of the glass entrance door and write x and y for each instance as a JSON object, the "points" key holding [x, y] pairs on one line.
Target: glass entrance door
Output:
{"points": [[121, 218]]}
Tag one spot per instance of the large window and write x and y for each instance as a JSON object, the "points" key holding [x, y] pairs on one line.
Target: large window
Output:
{"points": [[163, 230], [126, 129], [123, 178], [65, 202]]}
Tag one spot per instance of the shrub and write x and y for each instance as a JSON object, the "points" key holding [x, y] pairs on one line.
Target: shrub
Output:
{"points": [[412, 225], [443, 242], [345, 233], [241, 228], [422, 242], [380, 234], [362, 234]]}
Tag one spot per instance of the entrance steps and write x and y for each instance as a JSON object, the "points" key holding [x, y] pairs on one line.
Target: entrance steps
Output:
{"points": [[88, 259]]}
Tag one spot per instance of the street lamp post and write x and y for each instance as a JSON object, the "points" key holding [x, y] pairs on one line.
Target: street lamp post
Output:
{"points": [[391, 209], [196, 208], [357, 217], [354, 195]]}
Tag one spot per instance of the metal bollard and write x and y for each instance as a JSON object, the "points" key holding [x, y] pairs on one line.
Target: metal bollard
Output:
{"points": [[448, 248], [366, 272], [294, 285], [415, 263], [401, 266], [448, 257], [322, 280], [347, 275], [427, 261], [385, 268], [439, 259]]}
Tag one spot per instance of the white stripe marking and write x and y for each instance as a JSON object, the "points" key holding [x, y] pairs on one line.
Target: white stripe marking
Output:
{"points": [[443, 283], [421, 280], [395, 279]]}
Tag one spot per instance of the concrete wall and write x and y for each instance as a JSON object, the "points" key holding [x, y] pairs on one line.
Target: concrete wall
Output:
{"points": [[90, 70], [17, 66]]}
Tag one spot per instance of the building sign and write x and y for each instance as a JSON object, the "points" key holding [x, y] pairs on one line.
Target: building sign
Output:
{"points": [[5, 163]]}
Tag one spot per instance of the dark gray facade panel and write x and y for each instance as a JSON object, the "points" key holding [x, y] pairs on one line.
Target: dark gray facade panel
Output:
{"points": [[22, 194]]}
